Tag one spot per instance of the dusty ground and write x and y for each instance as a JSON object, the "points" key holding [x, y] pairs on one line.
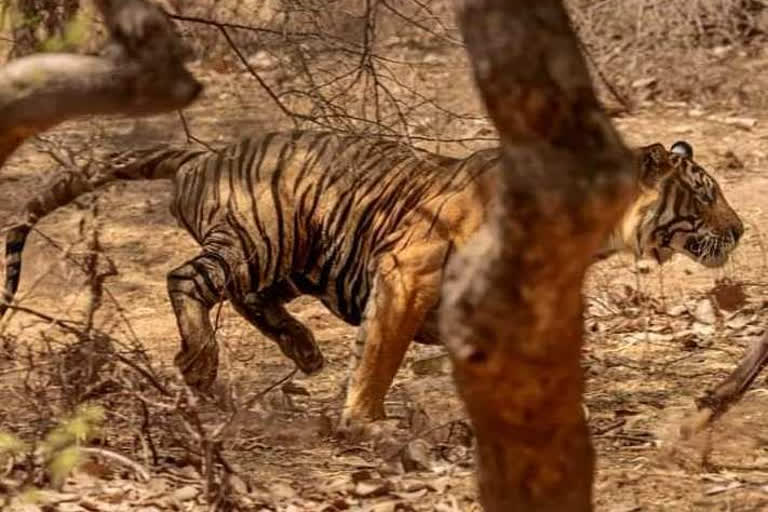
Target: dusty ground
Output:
{"points": [[657, 339]]}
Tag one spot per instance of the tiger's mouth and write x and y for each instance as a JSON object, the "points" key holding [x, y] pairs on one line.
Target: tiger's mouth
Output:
{"points": [[710, 251]]}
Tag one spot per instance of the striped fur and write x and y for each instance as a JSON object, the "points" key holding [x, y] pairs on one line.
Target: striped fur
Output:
{"points": [[365, 225]]}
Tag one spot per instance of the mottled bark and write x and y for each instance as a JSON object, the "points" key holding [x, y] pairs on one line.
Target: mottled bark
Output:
{"points": [[141, 72], [512, 307]]}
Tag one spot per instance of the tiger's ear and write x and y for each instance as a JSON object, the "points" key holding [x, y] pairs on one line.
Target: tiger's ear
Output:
{"points": [[654, 165], [683, 149]]}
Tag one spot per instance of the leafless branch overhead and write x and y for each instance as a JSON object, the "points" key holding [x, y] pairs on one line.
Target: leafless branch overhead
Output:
{"points": [[140, 73]]}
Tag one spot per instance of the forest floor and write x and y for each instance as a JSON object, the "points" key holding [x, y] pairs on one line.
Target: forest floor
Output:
{"points": [[657, 338]]}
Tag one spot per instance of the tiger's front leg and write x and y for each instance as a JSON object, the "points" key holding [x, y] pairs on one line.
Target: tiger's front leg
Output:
{"points": [[194, 288], [266, 312], [406, 286]]}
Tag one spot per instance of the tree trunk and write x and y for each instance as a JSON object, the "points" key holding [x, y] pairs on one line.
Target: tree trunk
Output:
{"points": [[511, 313], [141, 72]]}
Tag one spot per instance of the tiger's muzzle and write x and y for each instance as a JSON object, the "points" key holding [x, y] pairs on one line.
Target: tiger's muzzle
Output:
{"points": [[713, 249]]}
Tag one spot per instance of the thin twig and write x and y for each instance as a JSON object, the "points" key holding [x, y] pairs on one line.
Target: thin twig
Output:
{"points": [[599, 431], [249, 401], [190, 136], [291, 115], [140, 470], [616, 94], [421, 435]]}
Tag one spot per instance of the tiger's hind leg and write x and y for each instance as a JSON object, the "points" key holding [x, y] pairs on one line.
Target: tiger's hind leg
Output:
{"points": [[265, 311], [406, 287]]}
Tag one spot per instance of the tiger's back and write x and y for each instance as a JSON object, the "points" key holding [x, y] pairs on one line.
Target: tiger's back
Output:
{"points": [[315, 209]]}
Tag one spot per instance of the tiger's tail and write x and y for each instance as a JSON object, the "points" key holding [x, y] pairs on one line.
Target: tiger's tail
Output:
{"points": [[157, 163]]}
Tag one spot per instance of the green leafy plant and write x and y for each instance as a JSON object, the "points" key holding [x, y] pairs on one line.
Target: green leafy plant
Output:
{"points": [[59, 451], [11, 445], [60, 446], [74, 33]]}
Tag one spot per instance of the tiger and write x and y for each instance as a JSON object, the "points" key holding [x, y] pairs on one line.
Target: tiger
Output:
{"points": [[364, 224]]}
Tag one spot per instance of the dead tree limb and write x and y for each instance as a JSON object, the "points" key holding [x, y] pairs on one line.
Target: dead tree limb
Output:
{"points": [[140, 73], [512, 306]]}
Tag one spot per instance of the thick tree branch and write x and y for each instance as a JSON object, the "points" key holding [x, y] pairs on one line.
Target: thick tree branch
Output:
{"points": [[512, 305], [140, 73]]}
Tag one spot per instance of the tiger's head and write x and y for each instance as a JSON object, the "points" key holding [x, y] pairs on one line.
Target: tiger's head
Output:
{"points": [[679, 209]]}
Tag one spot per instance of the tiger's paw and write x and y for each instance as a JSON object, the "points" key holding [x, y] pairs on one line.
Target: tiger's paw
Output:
{"points": [[298, 343], [365, 431], [358, 425], [199, 368], [312, 362]]}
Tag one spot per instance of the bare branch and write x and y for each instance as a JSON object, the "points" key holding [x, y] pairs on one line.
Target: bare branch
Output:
{"points": [[140, 73], [137, 468], [716, 401]]}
